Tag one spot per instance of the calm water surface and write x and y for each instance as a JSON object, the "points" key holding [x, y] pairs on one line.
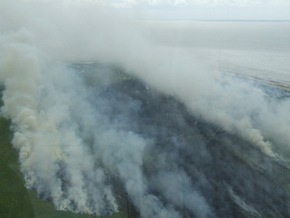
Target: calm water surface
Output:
{"points": [[258, 49]]}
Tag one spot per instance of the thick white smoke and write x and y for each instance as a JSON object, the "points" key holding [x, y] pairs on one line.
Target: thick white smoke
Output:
{"points": [[68, 149]]}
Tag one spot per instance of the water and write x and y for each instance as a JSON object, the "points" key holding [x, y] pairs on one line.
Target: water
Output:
{"points": [[258, 49]]}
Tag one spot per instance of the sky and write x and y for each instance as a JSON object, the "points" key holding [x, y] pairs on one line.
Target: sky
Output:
{"points": [[204, 9], [196, 9]]}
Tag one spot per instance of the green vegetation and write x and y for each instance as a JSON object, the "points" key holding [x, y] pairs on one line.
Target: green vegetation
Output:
{"points": [[15, 200]]}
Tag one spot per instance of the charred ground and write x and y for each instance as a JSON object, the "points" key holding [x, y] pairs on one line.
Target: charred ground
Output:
{"points": [[235, 178]]}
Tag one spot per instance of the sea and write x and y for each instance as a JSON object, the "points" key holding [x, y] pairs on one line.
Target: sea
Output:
{"points": [[258, 49]]}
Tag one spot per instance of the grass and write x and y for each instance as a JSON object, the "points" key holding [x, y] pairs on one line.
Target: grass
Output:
{"points": [[14, 197], [15, 200]]}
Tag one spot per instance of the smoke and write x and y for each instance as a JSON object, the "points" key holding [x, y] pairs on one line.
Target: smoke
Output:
{"points": [[80, 137]]}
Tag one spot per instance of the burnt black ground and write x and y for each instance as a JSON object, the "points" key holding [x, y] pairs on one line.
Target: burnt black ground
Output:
{"points": [[235, 178]]}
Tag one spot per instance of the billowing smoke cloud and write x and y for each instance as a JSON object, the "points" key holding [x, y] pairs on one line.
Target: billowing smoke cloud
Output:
{"points": [[80, 137]]}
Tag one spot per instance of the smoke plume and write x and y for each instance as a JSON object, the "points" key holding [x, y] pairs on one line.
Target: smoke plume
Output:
{"points": [[174, 135]]}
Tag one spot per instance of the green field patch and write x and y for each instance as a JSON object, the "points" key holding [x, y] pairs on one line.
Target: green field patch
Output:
{"points": [[14, 198]]}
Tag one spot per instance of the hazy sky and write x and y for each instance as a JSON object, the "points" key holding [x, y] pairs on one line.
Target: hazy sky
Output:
{"points": [[196, 9], [206, 9]]}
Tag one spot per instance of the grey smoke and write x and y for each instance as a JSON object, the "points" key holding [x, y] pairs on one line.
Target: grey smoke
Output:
{"points": [[80, 136]]}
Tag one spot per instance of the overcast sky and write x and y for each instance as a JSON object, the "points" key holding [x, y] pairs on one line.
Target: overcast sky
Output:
{"points": [[205, 9], [196, 9]]}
